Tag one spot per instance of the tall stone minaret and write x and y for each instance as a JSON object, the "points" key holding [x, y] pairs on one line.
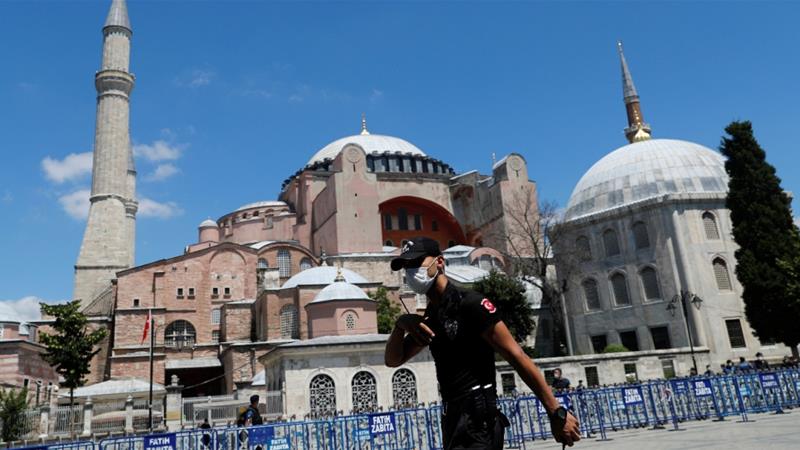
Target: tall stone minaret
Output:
{"points": [[108, 241], [637, 129]]}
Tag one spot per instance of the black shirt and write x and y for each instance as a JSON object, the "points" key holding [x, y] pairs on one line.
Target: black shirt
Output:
{"points": [[463, 358]]}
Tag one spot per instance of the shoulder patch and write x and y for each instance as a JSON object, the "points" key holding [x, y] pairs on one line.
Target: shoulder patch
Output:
{"points": [[488, 305]]}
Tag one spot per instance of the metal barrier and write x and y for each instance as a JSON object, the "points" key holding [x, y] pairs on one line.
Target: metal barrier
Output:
{"points": [[657, 404]]}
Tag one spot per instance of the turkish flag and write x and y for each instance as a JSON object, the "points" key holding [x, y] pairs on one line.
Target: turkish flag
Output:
{"points": [[146, 326]]}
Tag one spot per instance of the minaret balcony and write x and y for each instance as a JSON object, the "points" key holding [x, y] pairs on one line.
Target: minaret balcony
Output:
{"points": [[114, 80]]}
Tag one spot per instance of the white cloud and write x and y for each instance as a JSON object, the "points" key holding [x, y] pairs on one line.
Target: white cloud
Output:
{"points": [[76, 204], [158, 151], [24, 309], [74, 166], [162, 172], [152, 208], [195, 78], [376, 96], [797, 221]]}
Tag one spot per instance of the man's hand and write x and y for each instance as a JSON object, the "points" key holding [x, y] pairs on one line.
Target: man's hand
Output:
{"points": [[412, 324], [566, 431]]}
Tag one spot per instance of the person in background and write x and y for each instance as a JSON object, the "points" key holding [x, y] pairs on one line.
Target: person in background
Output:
{"points": [[559, 382], [708, 372], [580, 386], [251, 416], [692, 372], [730, 369], [744, 365], [760, 362]]}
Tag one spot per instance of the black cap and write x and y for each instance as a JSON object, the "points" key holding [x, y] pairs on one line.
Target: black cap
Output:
{"points": [[416, 249]]}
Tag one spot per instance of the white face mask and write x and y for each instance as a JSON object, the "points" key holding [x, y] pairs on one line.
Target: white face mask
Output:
{"points": [[418, 279]]}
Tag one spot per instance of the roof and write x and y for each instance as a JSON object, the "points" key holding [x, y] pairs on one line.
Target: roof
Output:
{"points": [[338, 340], [118, 15], [340, 290], [261, 244], [371, 143], [644, 170], [208, 223], [458, 249], [268, 203], [259, 379], [465, 274], [322, 275], [126, 386], [207, 361]]}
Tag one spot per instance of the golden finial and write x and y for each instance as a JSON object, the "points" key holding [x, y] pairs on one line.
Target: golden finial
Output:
{"points": [[339, 275], [364, 130]]}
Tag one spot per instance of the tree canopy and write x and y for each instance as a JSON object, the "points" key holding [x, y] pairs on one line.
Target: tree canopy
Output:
{"points": [[508, 294], [13, 403], [387, 311], [71, 348], [768, 240]]}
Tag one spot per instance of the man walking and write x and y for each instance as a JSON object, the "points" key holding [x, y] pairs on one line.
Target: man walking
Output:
{"points": [[463, 330]]}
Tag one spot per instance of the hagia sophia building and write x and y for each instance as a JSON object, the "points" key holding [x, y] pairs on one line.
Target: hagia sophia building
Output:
{"points": [[275, 294]]}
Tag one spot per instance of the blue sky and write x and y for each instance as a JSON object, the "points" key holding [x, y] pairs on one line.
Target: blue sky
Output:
{"points": [[233, 97]]}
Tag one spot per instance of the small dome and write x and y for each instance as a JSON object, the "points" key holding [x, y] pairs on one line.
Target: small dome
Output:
{"points": [[208, 223], [371, 143], [645, 170], [322, 275], [340, 290]]}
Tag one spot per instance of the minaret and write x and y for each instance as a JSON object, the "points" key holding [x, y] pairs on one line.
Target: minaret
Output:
{"points": [[108, 241], [637, 129]]}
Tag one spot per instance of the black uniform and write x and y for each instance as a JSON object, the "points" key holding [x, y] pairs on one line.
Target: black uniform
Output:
{"points": [[465, 369]]}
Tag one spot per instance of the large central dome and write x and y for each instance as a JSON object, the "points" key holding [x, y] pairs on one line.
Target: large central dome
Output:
{"points": [[645, 170], [371, 143]]}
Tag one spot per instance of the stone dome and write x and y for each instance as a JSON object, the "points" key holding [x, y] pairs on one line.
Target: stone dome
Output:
{"points": [[644, 170], [371, 143], [340, 290], [208, 223], [322, 275]]}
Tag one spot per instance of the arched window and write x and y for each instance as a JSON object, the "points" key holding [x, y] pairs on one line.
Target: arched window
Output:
{"points": [[485, 262], [650, 283], [350, 320], [710, 225], [290, 326], [620, 288], [365, 392], [611, 243], [640, 237], [404, 389], [322, 392], [262, 263], [179, 334], [284, 263], [305, 263], [583, 248], [721, 274], [389, 243], [590, 292]]}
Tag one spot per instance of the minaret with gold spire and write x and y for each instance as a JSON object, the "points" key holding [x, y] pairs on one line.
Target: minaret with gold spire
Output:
{"points": [[637, 129], [364, 130]]}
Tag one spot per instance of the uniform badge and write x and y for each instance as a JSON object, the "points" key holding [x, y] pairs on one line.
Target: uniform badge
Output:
{"points": [[488, 305], [451, 328]]}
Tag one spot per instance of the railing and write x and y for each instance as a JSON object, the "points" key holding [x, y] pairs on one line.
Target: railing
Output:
{"points": [[654, 404]]}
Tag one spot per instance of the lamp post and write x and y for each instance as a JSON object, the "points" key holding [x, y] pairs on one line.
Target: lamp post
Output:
{"points": [[685, 297]]}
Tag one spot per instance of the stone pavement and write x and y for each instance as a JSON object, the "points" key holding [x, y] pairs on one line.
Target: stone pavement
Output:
{"points": [[766, 431]]}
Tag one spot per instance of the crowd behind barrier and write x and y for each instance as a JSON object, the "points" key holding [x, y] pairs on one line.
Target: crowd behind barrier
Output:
{"points": [[653, 404]]}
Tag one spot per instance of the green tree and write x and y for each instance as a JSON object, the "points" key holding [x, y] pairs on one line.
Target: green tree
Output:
{"points": [[508, 295], [387, 310], [13, 404], [71, 348], [766, 261]]}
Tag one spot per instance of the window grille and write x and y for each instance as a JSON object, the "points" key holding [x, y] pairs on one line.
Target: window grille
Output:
{"points": [[365, 393], [721, 274], [640, 237], [290, 326], [262, 263], [305, 263], [179, 334], [284, 263], [591, 294], [350, 321], [215, 336], [710, 225], [322, 393], [215, 316], [620, 287], [404, 389], [611, 243], [735, 333], [650, 283], [592, 377]]}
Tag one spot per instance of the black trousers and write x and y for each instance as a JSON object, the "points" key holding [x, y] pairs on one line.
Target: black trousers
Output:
{"points": [[473, 422]]}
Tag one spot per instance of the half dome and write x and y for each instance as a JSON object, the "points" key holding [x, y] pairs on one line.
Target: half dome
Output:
{"points": [[322, 275], [644, 170], [371, 143], [340, 290]]}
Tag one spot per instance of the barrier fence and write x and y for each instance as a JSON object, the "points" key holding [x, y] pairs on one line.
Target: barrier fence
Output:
{"points": [[654, 404]]}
